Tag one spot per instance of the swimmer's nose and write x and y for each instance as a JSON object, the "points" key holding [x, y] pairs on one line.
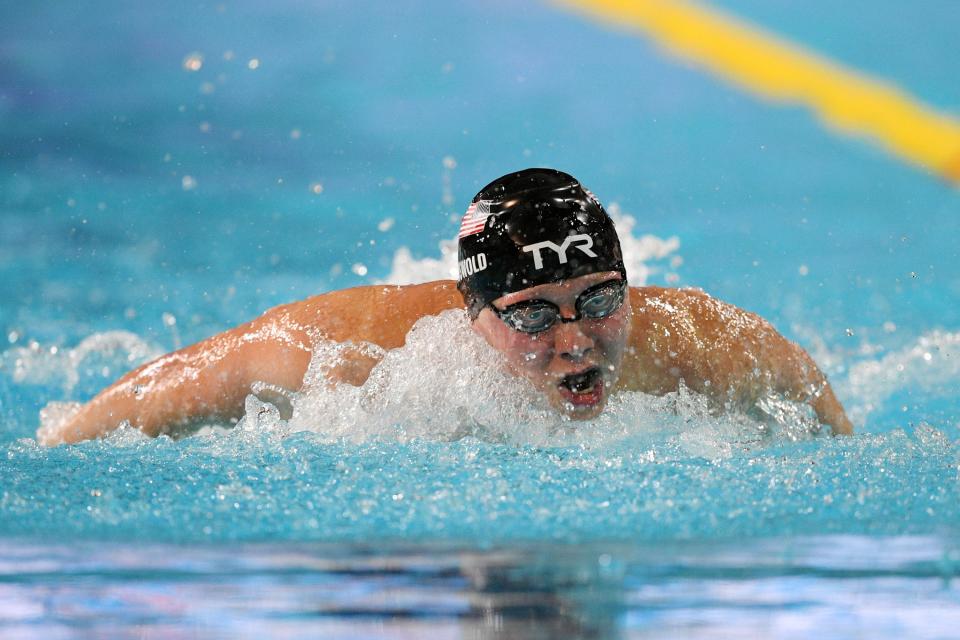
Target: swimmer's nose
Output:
{"points": [[571, 342]]}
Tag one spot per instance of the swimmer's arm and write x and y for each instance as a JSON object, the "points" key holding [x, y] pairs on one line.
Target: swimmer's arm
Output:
{"points": [[205, 381], [752, 359], [211, 379], [795, 375], [724, 352]]}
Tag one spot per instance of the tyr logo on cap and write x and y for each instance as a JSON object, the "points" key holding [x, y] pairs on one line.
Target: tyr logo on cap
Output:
{"points": [[582, 240]]}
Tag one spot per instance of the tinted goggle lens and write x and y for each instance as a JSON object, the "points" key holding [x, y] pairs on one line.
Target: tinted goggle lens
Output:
{"points": [[534, 316]]}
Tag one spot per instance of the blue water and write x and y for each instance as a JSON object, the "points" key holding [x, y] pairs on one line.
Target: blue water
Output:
{"points": [[141, 197]]}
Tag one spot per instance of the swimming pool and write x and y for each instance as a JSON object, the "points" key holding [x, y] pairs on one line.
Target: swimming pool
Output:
{"points": [[168, 173]]}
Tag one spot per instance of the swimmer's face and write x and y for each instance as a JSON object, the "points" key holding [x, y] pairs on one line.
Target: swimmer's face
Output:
{"points": [[574, 364]]}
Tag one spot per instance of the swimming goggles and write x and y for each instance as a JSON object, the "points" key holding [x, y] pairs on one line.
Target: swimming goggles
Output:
{"points": [[536, 316]]}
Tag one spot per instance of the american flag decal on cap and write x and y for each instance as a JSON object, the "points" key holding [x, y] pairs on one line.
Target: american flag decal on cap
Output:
{"points": [[474, 219]]}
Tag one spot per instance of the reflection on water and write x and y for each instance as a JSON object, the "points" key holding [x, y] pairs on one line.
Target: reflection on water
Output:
{"points": [[832, 586]]}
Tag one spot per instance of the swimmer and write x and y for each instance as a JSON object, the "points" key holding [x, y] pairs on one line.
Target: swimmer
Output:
{"points": [[542, 279]]}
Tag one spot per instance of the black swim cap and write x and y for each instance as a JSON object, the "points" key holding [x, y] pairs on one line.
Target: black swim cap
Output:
{"points": [[528, 228]]}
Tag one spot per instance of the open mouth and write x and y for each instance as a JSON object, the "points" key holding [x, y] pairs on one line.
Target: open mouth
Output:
{"points": [[584, 389]]}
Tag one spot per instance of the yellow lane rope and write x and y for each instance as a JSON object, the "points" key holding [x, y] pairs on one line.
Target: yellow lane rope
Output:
{"points": [[769, 66]]}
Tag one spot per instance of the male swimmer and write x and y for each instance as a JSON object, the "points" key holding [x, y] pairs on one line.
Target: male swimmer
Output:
{"points": [[543, 281]]}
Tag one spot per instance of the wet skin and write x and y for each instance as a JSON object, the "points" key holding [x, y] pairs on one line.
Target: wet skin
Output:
{"points": [[659, 339], [548, 358]]}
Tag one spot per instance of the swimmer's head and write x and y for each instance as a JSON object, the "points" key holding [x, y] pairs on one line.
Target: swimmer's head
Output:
{"points": [[543, 279], [529, 228]]}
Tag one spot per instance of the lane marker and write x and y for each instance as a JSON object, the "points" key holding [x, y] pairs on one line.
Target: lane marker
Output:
{"points": [[773, 68]]}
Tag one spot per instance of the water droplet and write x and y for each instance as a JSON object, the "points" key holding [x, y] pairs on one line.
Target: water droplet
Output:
{"points": [[254, 63], [295, 134], [316, 188], [188, 183], [803, 270], [193, 61], [449, 162], [385, 225], [359, 268]]}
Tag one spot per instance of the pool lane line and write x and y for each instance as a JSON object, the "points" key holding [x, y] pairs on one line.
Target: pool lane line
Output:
{"points": [[953, 169], [774, 68]]}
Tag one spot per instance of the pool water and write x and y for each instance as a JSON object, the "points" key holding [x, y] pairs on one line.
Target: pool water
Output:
{"points": [[170, 172]]}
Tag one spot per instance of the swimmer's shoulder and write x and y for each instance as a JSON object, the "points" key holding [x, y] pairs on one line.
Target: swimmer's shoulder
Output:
{"points": [[655, 306], [694, 336], [381, 314], [673, 328], [689, 309], [659, 326]]}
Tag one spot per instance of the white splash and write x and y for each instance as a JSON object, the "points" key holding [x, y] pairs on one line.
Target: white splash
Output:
{"points": [[931, 365], [52, 417], [105, 355], [409, 270], [462, 391], [640, 255]]}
